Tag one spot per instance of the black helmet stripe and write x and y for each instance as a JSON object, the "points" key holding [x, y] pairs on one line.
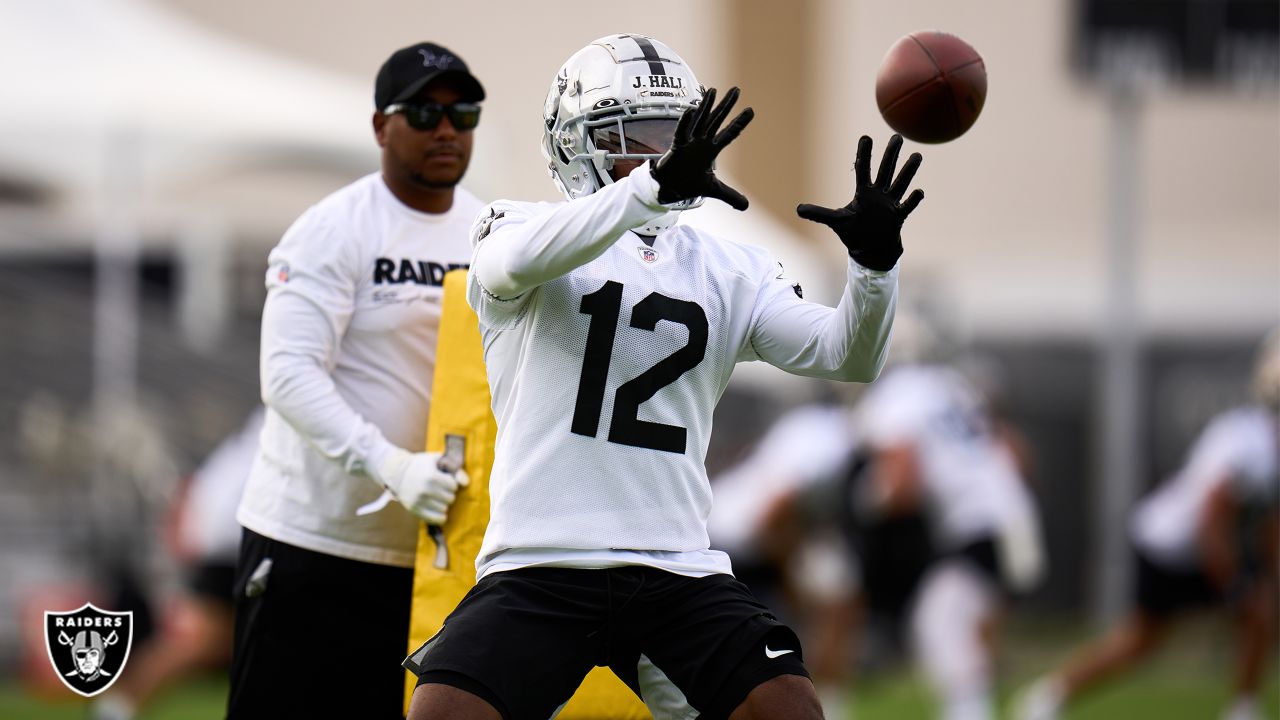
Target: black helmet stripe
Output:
{"points": [[651, 54]]}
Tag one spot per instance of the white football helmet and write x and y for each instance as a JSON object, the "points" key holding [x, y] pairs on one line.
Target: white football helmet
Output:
{"points": [[1266, 371], [617, 98]]}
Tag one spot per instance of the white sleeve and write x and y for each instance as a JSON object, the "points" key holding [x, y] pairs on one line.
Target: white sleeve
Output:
{"points": [[312, 276], [847, 343], [1240, 450], [517, 255]]}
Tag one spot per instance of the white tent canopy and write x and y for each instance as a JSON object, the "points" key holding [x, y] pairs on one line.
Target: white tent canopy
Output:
{"points": [[120, 101], [94, 67]]}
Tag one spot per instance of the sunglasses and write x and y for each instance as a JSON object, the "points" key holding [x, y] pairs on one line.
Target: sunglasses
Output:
{"points": [[427, 116]]}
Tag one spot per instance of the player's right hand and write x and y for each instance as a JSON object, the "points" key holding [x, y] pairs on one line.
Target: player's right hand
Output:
{"points": [[417, 482], [687, 170]]}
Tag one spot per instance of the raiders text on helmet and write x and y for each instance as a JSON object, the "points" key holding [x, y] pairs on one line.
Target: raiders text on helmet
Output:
{"points": [[600, 91]]}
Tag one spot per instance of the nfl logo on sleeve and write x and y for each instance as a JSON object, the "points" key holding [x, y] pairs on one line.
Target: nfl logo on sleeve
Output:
{"points": [[88, 647]]}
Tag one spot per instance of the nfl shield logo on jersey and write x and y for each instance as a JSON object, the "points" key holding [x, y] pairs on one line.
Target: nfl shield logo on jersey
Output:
{"points": [[88, 647], [648, 254]]}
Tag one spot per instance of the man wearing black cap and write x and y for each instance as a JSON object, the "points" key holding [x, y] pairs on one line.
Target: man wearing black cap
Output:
{"points": [[340, 484]]}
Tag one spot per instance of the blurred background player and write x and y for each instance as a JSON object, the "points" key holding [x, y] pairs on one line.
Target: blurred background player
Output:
{"points": [[1207, 537], [348, 345], [196, 626], [934, 451], [754, 518], [785, 547]]}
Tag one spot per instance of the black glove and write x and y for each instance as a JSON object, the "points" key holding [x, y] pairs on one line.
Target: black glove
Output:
{"points": [[870, 226], [686, 170]]}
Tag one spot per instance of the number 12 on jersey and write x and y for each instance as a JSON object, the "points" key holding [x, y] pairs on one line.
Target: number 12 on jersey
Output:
{"points": [[604, 306]]}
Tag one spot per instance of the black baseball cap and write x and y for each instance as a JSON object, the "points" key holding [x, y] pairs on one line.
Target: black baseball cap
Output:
{"points": [[409, 69]]}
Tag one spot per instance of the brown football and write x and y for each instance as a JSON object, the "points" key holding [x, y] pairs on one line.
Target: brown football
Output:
{"points": [[931, 86]]}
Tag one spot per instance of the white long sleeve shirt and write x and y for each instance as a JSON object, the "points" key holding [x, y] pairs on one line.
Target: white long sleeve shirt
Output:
{"points": [[808, 445], [973, 489], [971, 482], [348, 350], [606, 357], [1241, 448]]}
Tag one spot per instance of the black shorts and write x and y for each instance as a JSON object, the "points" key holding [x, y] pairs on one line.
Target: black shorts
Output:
{"points": [[980, 555], [213, 580], [1161, 590], [524, 639], [893, 552], [323, 636]]}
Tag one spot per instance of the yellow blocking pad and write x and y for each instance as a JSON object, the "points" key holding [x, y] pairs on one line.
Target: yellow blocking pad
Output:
{"points": [[460, 406]]}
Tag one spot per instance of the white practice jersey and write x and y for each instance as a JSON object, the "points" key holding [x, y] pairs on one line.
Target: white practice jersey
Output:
{"points": [[606, 358], [348, 349], [209, 528], [1240, 448], [973, 489], [808, 445]]}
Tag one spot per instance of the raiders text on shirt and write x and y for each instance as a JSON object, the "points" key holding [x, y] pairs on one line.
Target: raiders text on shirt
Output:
{"points": [[386, 270]]}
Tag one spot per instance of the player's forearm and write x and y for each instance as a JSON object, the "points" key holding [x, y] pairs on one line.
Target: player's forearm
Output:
{"points": [[1214, 536], [518, 257], [1270, 542], [848, 343]]}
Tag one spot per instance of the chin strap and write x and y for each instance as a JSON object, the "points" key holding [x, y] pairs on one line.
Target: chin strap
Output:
{"points": [[658, 224]]}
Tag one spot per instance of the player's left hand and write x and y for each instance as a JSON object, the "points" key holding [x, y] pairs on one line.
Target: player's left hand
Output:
{"points": [[687, 170], [870, 226]]}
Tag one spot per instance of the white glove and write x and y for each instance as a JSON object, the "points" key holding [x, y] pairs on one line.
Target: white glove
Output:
{"points": [[1020, 551], [418, 483]]}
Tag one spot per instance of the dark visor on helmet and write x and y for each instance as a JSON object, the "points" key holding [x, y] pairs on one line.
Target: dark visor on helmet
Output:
{"points": [[636, 137]]}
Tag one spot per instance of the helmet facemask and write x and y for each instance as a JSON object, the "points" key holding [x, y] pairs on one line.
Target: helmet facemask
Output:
{"points": [[630, 137]]}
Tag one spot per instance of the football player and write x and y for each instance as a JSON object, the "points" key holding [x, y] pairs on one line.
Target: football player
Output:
{"points": [[198, 624], [773, 517], [1207, 536], [610, 332], [935, 448], [753, 519]]}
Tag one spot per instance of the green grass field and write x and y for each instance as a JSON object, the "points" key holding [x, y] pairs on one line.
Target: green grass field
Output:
{"points": [[194, 700], [1145, 695], [1188, 681]]}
